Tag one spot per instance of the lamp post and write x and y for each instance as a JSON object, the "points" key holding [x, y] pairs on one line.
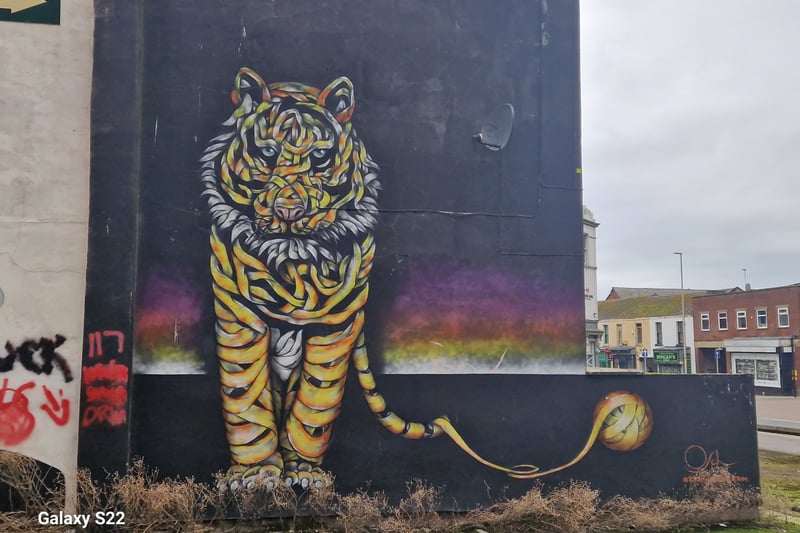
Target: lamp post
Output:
{"points": [[683, 315]]}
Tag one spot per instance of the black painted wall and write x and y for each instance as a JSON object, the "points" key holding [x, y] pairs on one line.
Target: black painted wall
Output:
{"points": [[697, 422]]}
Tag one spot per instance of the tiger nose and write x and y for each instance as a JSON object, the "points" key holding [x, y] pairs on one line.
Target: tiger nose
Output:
{"points": [[289, 210]]}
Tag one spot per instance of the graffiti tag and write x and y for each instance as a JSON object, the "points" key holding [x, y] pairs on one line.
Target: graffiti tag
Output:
{"points": [[16, 420], [96, 342], [697, 459], [45, 348], [707, 467], [57, 411], [106, 388]]}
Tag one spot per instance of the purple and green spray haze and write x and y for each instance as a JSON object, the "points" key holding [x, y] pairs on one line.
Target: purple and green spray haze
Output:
{"points": [[449, 309], [446, 315]]}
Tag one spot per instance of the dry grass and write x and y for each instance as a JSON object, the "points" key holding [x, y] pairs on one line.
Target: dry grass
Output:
{"points": [[567, 508], [164, 505], [30, 486], [153, 504], [721, 498]]}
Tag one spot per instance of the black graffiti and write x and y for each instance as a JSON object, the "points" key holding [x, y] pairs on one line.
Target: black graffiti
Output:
{"points": [[46, 348]]}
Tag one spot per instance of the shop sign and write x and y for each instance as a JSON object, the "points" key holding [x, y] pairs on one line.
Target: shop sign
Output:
{"points": [[666, 357]]}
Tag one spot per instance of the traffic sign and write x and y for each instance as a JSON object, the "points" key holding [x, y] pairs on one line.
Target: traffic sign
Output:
{"points": [[34, 11]]}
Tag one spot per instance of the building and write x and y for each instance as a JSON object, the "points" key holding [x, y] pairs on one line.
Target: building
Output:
{"points": [[647, 332], [623, 293], [751, 332], [590, 285]]}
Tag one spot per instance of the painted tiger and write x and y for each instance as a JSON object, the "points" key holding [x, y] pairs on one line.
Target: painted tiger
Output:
{"points": [[292, 194]]}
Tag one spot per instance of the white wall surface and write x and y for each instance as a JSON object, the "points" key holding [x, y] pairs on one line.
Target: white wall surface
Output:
{"points": [[670, 330], [45, 92]]}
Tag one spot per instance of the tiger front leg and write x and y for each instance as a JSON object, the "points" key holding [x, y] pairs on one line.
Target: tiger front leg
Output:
{"points": [[315, 405], [249, 415]]}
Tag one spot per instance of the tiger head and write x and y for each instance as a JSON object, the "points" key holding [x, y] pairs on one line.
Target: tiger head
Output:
{"points": [[291, 178]]}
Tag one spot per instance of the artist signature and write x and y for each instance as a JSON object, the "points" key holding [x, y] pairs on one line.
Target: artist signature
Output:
{"points": [[697, 459]]}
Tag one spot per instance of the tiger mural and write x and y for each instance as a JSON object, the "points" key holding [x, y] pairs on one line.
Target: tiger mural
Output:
{"points": [[292, 194]]}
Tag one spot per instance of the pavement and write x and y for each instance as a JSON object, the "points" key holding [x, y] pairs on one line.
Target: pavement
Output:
{"points": [[778, 419], [779, 414]]}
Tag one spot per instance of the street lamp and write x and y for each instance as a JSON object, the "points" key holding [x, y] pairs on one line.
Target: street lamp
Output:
{"points": [[683, 315]]}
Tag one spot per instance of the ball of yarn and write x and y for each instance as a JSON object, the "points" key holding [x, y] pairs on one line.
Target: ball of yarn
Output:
{"points": [[626, 420]]}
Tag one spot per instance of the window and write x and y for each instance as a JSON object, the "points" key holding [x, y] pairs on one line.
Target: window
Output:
{"points": [[705, 322], [741, 319], [680, 332], [722, 320], [764, 367], [761, 318], [605, 334], [638, 333], [659, 334], [585, 249], [619, 334], [783, 317]]}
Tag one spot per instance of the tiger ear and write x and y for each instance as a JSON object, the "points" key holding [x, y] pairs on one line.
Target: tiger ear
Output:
{"points": [[248, 82], [338, 99]]}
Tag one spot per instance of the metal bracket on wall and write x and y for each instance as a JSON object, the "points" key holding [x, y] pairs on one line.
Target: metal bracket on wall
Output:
{"points": [[496, 129]]}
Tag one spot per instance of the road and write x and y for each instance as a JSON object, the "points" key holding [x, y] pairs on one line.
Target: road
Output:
{"points": [[777, 412]]}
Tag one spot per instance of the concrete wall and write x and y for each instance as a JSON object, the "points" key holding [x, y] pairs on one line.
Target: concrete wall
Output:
{"points": [[45, 80]]}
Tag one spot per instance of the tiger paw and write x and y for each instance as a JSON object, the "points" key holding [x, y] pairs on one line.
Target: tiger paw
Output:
{"points": [[302, 474], [247, 477]]}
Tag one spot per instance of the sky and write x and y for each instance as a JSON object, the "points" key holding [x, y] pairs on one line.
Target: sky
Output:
{"points": [[691, 141]]}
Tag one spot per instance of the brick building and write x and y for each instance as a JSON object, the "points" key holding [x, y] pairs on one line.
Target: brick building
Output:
{"points": [[751, 332]]}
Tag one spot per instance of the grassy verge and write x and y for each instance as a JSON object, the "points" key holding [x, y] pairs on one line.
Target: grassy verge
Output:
{"points": [[780, 482]]}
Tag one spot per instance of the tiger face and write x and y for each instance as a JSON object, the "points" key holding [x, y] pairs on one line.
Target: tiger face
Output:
{"points": [[291, 178]]}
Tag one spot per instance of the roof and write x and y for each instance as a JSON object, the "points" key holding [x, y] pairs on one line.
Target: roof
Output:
{"points": [[642, 307], [622, 293], [790, 287]]}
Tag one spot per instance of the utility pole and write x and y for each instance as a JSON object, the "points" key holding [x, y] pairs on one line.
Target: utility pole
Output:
{"points": [[683, 316]]}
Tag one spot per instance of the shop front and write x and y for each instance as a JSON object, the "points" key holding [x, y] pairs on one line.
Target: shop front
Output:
{"points": [[770, 361], [668, 359], [621, 357]]}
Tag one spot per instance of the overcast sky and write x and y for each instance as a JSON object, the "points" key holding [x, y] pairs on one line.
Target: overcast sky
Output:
{"points": [[691, 141]]}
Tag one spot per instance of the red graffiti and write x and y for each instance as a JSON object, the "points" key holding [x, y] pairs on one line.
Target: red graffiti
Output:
{"points": [[106, 394], [57, 411], [110, 371], [96, 342], [116, 396], [16, 421], [97, 414]]}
